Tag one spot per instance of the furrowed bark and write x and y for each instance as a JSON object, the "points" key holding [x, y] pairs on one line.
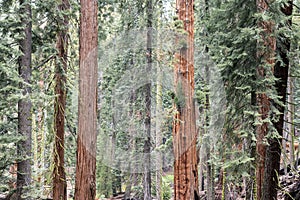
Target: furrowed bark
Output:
{"points": [[85, 183], [184, 123], [59, 175], [273, 152]]}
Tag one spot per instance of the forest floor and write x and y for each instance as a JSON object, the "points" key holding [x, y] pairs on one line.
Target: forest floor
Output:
{"points": [[289, 184], [289, 189]]}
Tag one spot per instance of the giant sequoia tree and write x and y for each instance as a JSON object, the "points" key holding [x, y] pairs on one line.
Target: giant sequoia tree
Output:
{"points": [[59, 175], [273, 151], [184, 125], [85, 186], [266, 53], [254, 97]]}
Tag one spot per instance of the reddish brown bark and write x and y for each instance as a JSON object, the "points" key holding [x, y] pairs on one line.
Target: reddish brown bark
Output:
{"points": [[266, 53], [184, 124], [59, 175], [273, 152], [85, 183]]}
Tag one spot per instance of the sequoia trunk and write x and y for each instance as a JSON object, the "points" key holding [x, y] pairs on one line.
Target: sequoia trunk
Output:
{"points": [[184, 124], [59, 176], [273, 153], [85, 183]]}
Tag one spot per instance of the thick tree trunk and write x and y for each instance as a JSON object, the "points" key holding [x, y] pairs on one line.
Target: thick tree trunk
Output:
{"points": [[184, 124], [59, 176], [147, 145], [273, 153], [85, 183], [266, 56], [24, 105]]}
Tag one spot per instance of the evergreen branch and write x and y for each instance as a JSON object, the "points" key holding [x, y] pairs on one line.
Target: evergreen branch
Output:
{"points": [[71, 129], [44, 62], [292, 123], [295, 6]]}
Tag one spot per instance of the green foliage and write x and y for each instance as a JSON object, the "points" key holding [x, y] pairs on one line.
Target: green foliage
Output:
{"points": [[9, 90], [166, 190], [227, 32], [179, 97], [232, 36]]}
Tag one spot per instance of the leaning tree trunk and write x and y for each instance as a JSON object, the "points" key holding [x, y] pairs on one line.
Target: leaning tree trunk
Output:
{"points": [[184, 124], [24, 104], [59, 175], [273, 153], [85, 183]]}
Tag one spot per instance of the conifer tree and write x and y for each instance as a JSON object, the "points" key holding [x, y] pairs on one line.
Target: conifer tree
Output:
{"points": [[59, 176], [85, 184], [24, 104], [266, 54], [184, 124], [147, 120], [281, 69]]}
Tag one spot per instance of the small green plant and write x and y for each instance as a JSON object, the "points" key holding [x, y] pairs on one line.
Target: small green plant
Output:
{"points": [[166, 187]]}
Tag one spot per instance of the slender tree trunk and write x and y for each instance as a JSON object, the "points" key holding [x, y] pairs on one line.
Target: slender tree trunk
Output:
{"points": [[85, 183], [210, 185], [251, 180], [159, 116], [114, 182], [263, 102], [273, 153], [24, 105], [210, 178], [38, 137], [290, 120], [284, 145], [158, 173], [132, 180], [201, 174], [59, 176], [147, 145], [184, 124]]}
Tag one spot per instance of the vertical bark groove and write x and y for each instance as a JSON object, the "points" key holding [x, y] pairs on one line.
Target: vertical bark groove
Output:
{"points": [[59, 176], [85, 183], [273, 152], [184, 124], [266, 53]]}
